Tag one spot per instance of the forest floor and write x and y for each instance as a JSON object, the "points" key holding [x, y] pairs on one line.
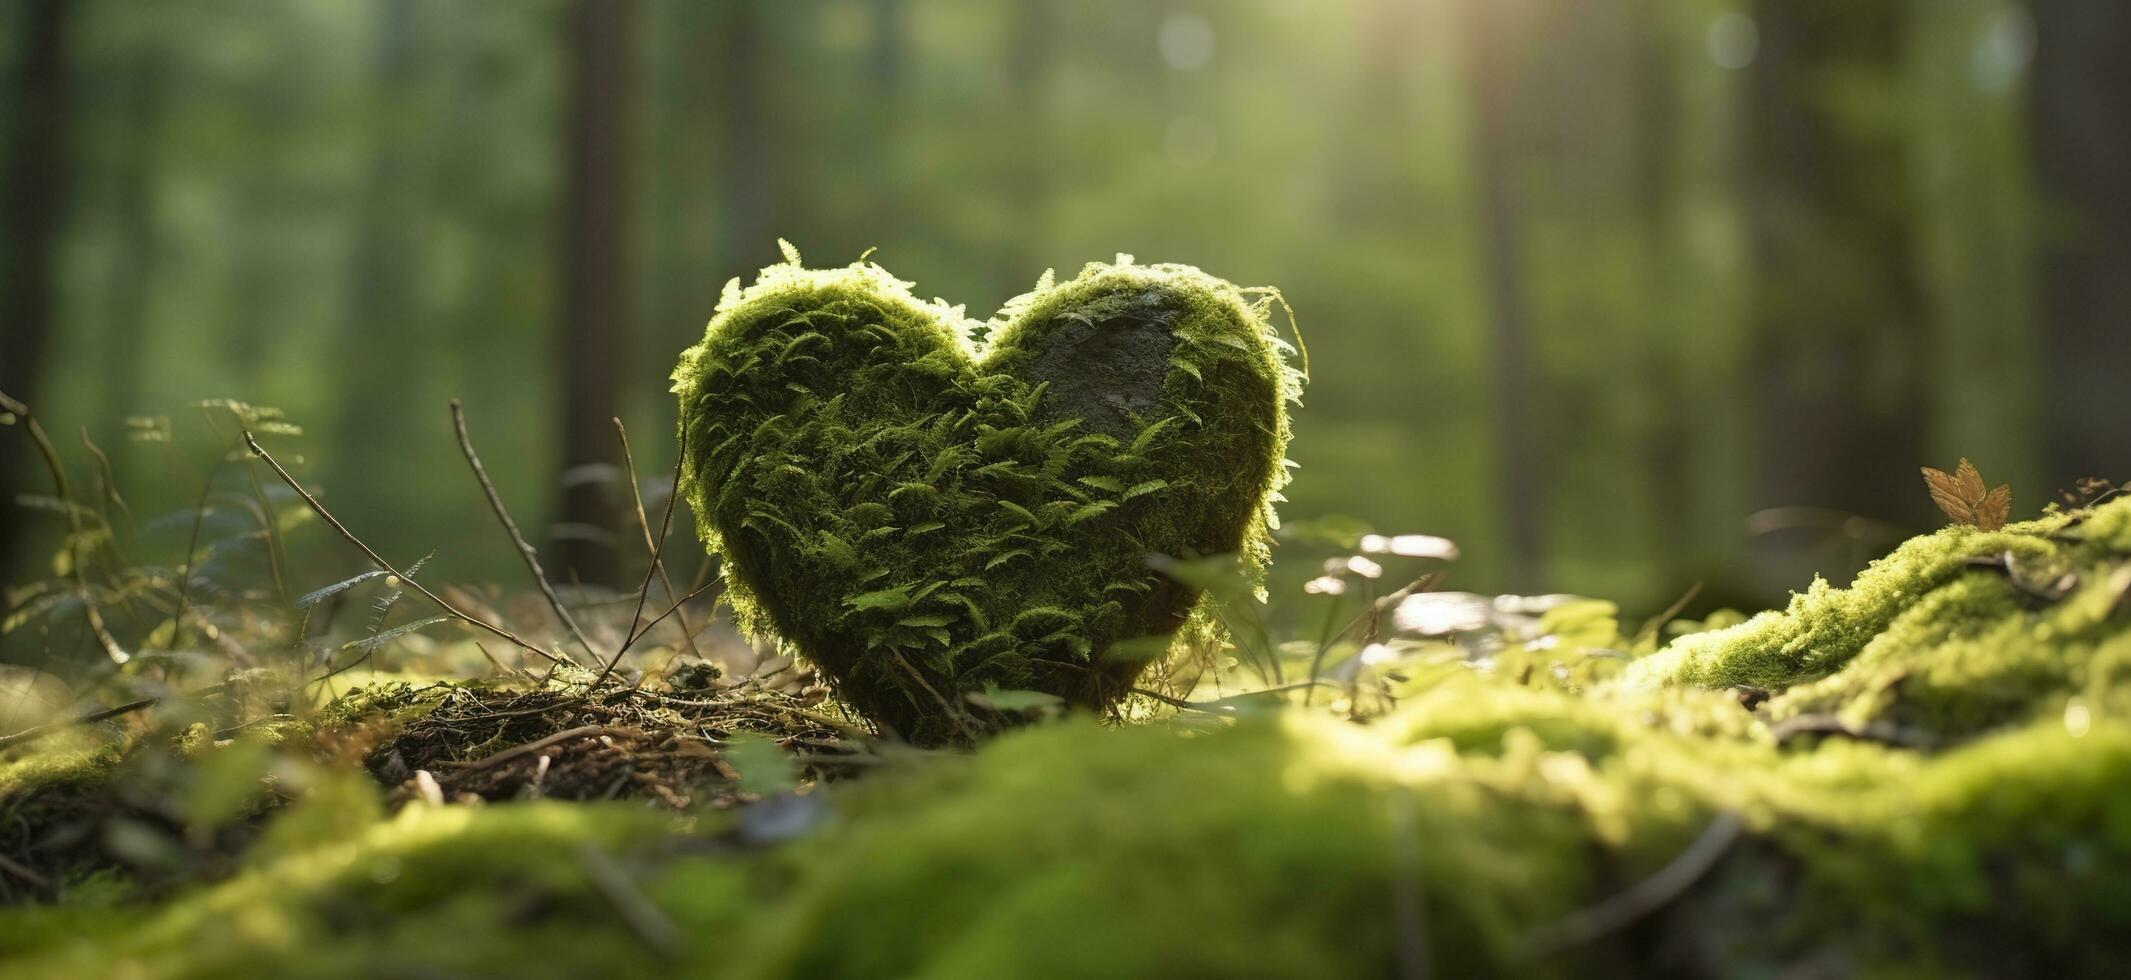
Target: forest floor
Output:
{"points": [[1927, 772]]}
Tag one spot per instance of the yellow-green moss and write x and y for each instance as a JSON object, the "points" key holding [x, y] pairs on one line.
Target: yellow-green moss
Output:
{"points": [[1467, 829], [451, 891], [1954, 633], [927, 506]]}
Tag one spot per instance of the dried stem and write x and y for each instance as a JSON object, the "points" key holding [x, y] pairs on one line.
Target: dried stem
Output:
{"points": [[192, 548], [91, 718], [66, 498], [633, 637], [1646, 896], [110, 490], [525, 550], [654, 546], [334, 522]]}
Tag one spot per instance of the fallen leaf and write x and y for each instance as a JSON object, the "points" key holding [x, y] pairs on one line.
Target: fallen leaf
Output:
{"points": [[1966, 499], [1997, 505]]}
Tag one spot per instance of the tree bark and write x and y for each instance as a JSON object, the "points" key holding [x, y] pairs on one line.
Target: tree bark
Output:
{"points": [[595, 281], [36, 199], [1837, 305], [2082, 150], [380, 344], [135, 204], [1492, 47]]}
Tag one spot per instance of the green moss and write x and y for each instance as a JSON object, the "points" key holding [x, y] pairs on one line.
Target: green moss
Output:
{"points": [[60, 761], [1474, 827], [391, 898], [925, 513], [1954, 633], [1279, 847]]}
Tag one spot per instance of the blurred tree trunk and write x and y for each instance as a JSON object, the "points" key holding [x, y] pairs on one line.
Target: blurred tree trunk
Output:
{"points": [[749, 137], [1493, 46], [595, 281], [36, 174], [884, 67], [1837, 303], [2082, 147], [1654, 86], [1031, 50], [135, 205], [381, 343]]}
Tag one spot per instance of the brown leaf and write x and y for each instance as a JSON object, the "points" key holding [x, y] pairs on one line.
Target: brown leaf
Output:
{"points": [[1973, 489], [1964, 496], [1995, 508], [1946, 492]]}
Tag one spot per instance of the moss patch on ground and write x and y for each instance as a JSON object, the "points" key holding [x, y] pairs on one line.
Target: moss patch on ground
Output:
{"points": [[1953, 803]]}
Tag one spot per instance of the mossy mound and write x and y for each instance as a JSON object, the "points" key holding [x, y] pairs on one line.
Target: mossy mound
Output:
{"points": [[1551, 810], [928, 506], [1953, 634]]}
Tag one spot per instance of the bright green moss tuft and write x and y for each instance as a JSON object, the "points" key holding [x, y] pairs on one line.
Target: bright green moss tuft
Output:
{"points": [[926, 514]]}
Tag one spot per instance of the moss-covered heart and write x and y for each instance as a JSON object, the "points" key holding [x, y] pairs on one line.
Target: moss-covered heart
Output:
{"points": [[927, 506]]}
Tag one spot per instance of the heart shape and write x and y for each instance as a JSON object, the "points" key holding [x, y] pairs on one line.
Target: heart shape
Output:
{"points": [[927, 506]]}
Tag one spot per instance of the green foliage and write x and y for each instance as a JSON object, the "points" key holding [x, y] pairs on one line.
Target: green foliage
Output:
{"points": [[926, 515]]}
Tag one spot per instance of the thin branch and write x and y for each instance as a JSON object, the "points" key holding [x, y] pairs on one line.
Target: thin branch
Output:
{"points": [[688, 633], [23, 871], [110, 490], [525, 550], [381, 563], [519, 751], [91, 718], [644, 591], [643, 917], [1224, 705], [268, 521], [1646, 896], [1650, 630], [192, 549], [670, 610], [66, 497]]}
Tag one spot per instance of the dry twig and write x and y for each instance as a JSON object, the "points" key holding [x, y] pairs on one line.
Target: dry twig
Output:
{"points": [[387, 567], [643, 521], [1646, 896], [510, 527]]}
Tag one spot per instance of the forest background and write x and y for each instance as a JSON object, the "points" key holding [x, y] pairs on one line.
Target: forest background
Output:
{"points": [[1622, 296]]}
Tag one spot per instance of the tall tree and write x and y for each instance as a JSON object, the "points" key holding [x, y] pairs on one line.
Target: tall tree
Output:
{"points": [[2082, 147], [884, 73], [378, 420], [1493, 49], [594, 276], [1657, 185], [134, 216], [749, 136], [36, 177], [1839, 328], [1031, 53]]}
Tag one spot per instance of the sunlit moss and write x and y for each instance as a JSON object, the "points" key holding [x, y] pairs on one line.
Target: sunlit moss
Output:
{"points": [[1952, 634], [453, 890], [1962, 814], [928, 506]]}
